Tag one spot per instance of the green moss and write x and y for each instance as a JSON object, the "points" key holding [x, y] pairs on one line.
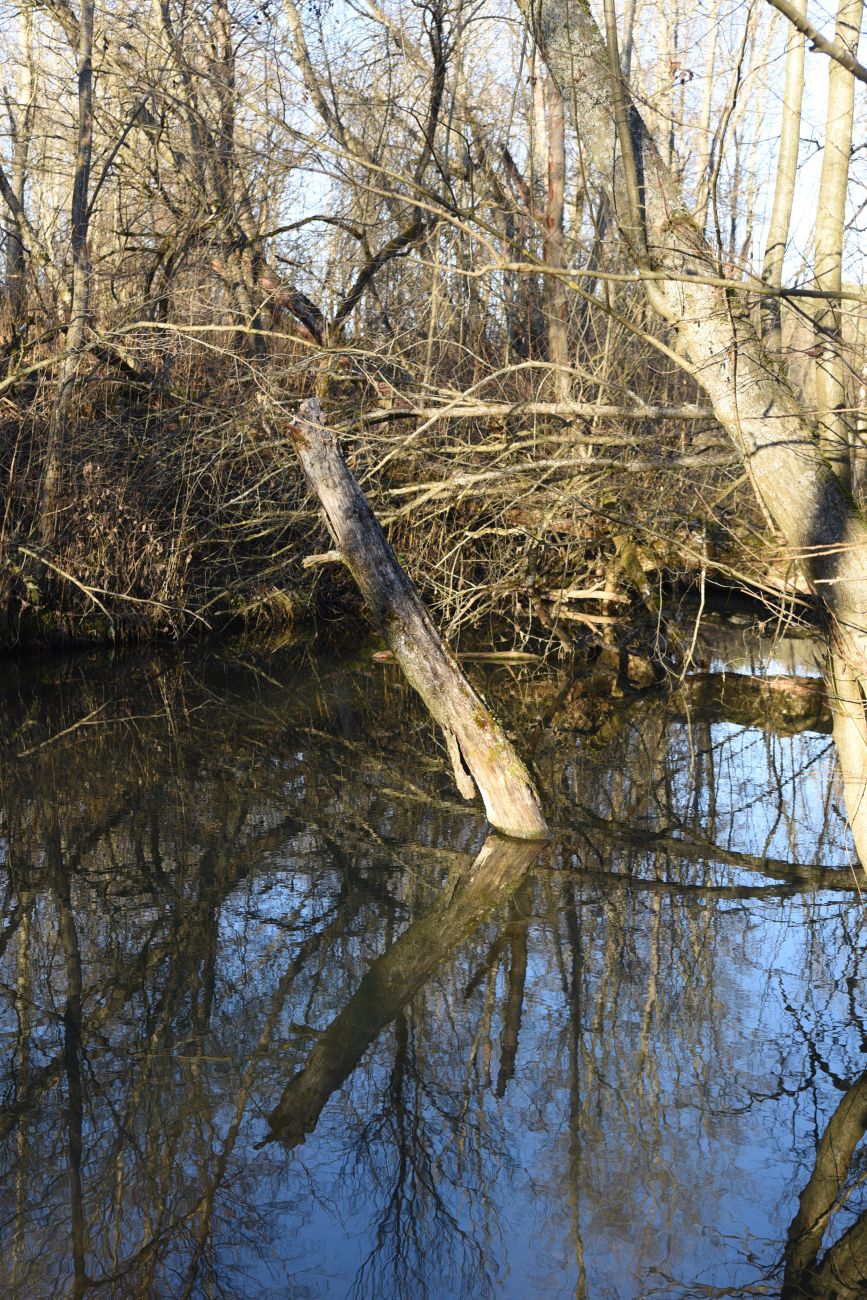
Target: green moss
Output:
{"points": [[682, 218]]}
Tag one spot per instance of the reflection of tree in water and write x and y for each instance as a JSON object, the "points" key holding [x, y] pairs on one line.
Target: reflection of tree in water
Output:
{"points": [[181, 966], [837, 1175], [651, 1055], [418, 1236], [222, 905], [825, 1256]]}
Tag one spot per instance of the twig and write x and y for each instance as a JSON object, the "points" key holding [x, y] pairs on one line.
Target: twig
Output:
{"points": [[82, 722]]}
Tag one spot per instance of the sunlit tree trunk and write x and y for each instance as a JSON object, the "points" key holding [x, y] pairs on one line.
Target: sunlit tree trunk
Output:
{"points": [[830, 223], [705, 133], [751, 400], [627, 44], [755, 165], [75, 333], [22, 129], [784, 190], [482, 755], [554, 251]]}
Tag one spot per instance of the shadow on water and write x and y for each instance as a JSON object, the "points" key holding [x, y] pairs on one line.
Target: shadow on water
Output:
{"points": [[278, 1018]]}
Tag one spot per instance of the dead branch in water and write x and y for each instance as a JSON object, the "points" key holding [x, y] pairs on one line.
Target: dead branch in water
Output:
{"points": [[480, 751]]}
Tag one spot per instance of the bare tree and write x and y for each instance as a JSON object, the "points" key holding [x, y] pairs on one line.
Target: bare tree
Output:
{"points": [[684, 282], [830, 371], [80, 295]]}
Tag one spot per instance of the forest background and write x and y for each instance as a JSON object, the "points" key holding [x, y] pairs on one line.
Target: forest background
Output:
{"points": [[212, 211]]}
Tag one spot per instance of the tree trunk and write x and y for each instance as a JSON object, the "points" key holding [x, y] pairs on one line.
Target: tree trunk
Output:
{"points": [[478, 747], [80, 279], [750, 397], [784, 190], [554, 253], [706, 137], [23, 126], [830, 225]]}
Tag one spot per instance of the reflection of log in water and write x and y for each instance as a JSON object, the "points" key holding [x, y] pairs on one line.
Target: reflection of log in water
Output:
{"points": [[786, 705], [468, 897], [842, 1272]]}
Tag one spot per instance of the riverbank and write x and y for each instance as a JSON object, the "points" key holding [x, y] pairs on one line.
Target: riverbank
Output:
{"points": [[189, 518]]}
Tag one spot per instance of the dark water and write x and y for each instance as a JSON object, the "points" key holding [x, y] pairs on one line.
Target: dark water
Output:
{"points": [[277, 1020]]}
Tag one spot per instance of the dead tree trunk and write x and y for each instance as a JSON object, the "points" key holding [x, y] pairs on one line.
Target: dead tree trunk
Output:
{"points": [[478, 747]]}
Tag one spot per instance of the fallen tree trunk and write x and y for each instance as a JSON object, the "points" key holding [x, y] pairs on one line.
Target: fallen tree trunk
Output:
{"points": [[481, 753], [468, 409]]}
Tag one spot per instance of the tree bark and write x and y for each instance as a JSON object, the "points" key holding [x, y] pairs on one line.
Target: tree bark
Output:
{"points": [[23, 126], [553, 248], [480, 751], [80, 279], [830, 225], [705, 135], [784, 190], [750, 396]]}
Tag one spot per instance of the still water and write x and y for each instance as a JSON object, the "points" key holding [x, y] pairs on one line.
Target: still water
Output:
{"points": [[277, 1019]]}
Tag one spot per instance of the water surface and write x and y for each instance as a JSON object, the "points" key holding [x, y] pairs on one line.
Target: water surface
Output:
{"points": [[278, 1019]]}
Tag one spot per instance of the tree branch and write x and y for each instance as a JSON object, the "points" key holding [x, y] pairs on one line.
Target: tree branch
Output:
{"points": [[834, 49]]}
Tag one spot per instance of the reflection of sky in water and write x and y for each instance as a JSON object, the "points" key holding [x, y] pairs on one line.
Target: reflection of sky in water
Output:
{"points": [[716, 1184], [772, 795], [686, 1171], [680, 1043]]}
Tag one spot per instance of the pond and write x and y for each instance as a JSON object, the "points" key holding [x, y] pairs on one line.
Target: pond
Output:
{"points": [[278, 1019]]}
